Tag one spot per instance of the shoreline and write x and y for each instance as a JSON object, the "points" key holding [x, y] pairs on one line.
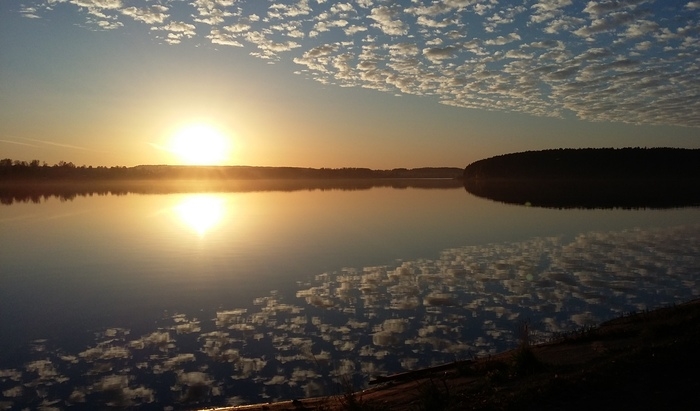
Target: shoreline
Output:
{"points": [[639, 360]]}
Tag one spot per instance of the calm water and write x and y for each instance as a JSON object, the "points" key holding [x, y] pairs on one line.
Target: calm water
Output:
{"points": [[200, 299]]}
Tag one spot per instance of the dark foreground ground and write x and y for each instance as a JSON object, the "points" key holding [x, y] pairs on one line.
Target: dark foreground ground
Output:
{"points": [[644, 361]]}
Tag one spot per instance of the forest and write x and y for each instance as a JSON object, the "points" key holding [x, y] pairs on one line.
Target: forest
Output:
{"points": [[14, 170], [590, 164], [590, 178]]}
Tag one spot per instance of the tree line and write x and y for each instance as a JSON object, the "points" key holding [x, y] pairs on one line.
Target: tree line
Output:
{"points": [[38, 170], [590, 178], [590, 163]]}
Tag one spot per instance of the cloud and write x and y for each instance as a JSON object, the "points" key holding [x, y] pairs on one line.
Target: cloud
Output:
{"points": [[350, 30], [98, 4], [610, 22], [387, 20], [281, 10], [465, 53], [52, 143], [150, 15], [428, 22], [502, 40], [437, 54], [19, 143], [548, 9], [225, 39], [177, 30], [518, 54], [599, 8], [29, 12]]}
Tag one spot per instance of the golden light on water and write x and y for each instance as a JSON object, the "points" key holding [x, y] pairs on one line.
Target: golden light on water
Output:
{"points": [[201, 212], [200, 144]]}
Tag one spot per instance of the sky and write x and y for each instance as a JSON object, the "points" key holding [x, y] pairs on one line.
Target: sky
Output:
{"points": [[360, 83]]}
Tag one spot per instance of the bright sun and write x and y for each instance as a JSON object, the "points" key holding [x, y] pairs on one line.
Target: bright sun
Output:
{"points": [[200, 144]]}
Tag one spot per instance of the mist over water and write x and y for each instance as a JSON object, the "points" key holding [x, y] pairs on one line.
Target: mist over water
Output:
{"points": [[201, 299]]}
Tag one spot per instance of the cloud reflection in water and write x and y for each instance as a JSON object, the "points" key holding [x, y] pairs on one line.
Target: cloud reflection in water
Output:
{"points": [[366, 322]]}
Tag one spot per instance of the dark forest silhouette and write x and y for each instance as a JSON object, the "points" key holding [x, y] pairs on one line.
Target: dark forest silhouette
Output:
{"points": [[590, 163], [37, 170], [590, 178]]}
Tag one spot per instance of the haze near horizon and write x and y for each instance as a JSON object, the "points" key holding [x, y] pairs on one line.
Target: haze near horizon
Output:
{"points": [[360, 83]]}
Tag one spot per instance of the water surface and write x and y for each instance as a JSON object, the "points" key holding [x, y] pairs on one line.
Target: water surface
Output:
{"points": [[214, 298]]}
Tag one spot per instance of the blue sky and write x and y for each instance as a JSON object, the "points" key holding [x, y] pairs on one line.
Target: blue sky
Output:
{"points": [[359, 83]]}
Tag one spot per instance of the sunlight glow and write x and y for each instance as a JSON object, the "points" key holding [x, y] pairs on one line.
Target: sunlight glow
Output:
{"points": [[201, 212], [200, 144]]}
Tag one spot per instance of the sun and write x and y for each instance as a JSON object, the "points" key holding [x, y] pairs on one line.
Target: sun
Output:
{"points": [[200, 144]]}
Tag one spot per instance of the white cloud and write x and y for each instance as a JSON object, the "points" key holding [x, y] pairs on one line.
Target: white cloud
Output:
{"points": [[502, 40], [546, 57], [100, 4], [29, 12], [437, 54], [387, 20], [518, 54], [151, 15], [322, 26], [210, 13], [238, 28], [641, 28], [179, 27], [643, 46], [108, 24], [350, 30], [340, 8], [428, 22], [403, 49], [433, 10], [269, 48], [280, 11], [610, 22], [600, 8], [548, 9]]}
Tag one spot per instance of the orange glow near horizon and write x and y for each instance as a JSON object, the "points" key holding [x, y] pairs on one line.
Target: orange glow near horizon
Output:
{"points": [[200, 144]]}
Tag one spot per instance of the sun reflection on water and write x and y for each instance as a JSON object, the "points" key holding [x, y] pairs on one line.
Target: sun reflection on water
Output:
{"points": [[201, 212]]}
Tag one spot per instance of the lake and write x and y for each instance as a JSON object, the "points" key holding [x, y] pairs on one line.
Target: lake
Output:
{"points": [[222, 297]]}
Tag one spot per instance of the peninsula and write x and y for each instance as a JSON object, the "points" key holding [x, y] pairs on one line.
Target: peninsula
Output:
{"points": [[590, 178]]}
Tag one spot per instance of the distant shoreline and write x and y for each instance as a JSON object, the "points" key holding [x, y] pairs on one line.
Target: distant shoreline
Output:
{"points": [[34, 171]]}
